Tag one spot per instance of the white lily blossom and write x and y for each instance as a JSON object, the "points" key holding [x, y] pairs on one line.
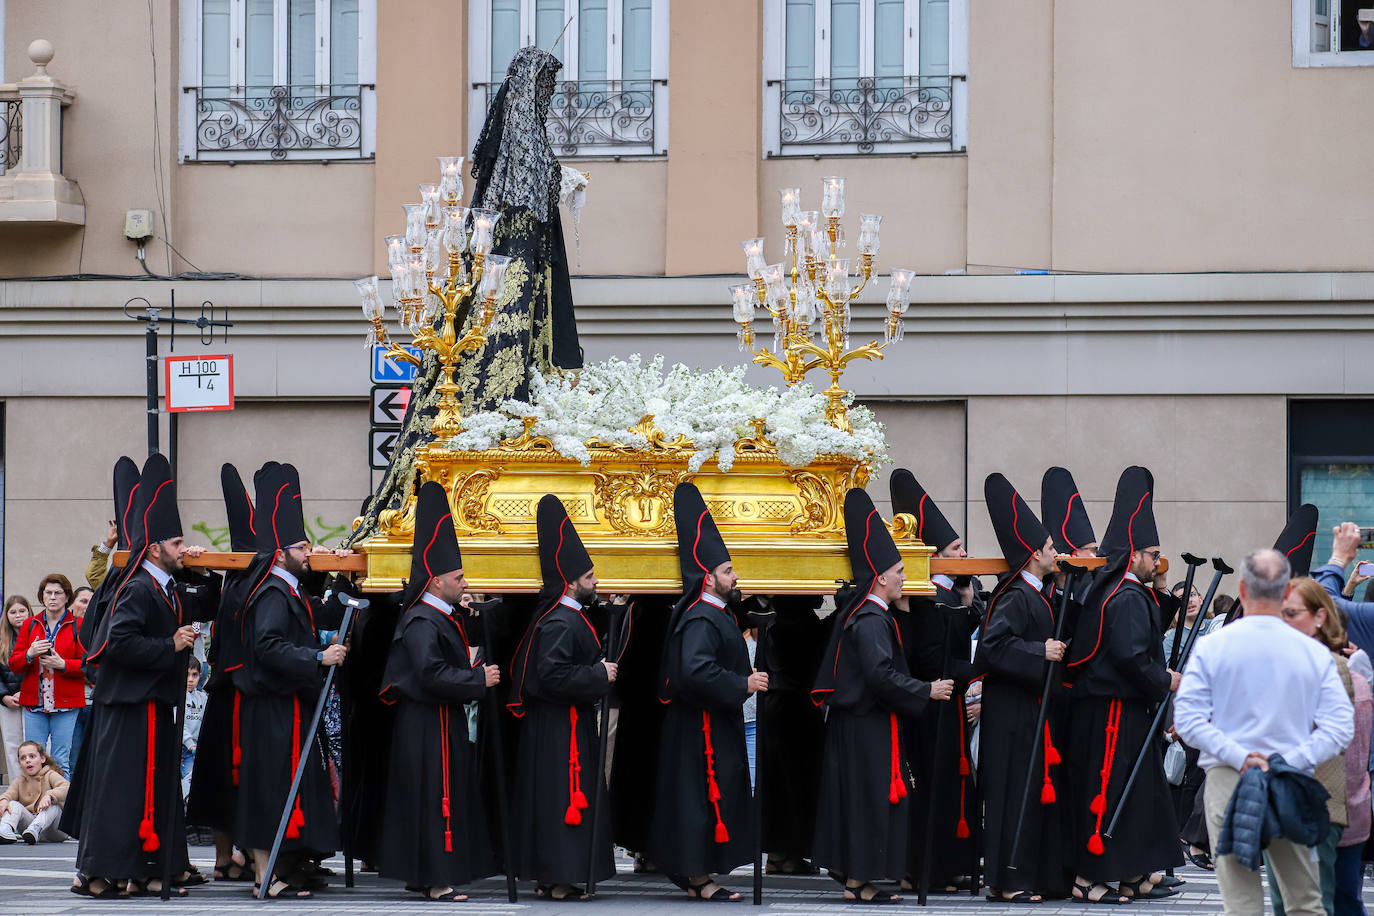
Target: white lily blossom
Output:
{"points": [[713, 408]]}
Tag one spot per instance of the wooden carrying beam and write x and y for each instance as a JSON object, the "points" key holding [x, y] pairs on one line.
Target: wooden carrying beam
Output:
{"points": [[357, 563]]}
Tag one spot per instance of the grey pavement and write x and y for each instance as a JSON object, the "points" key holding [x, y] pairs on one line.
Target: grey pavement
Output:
{"points": [[34, 882]]}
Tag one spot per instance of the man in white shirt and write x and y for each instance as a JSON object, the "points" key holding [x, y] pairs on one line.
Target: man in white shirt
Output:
{"points": [[1255, 688]]}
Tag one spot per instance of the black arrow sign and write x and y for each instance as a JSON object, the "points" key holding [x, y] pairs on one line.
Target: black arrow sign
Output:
{"points": [[383, 446], [389, 405]]}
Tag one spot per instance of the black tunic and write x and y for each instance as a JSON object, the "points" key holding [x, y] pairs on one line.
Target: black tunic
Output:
{"points": [[1118, 690], [280, 680], [635, 759], [1011, 655], [789, 758], [555, 777], [366, 724], [429, 677], [135, 759], [701, 745], [866, 782], [937, 636]]}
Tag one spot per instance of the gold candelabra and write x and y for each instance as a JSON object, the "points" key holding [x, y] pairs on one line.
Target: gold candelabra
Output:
{"points": [[441, 269], [810, 292]]}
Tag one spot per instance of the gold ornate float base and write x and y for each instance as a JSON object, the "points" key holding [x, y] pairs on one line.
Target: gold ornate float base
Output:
{"points": [[784, 526]]}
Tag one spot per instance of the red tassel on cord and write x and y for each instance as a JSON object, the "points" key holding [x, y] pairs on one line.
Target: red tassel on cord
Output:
{"points": [[1095, 845], [443, 767], [1052, 755], [722, 835], [577, 801], [238, 751], [712, 789], [448, 841], [572, 817], [146, 831], [297, 821], [1098, 805], [963, 766], [962, 831], [896, 790], [1047, 792]]}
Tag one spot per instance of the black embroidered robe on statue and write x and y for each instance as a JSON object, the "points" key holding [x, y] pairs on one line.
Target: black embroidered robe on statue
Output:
{"points": [[937, 636], [135, 756], [280, 680], [556, 778], [1116, 693], [434, 827], [703, 814], [1011, 655], [866, 782]]}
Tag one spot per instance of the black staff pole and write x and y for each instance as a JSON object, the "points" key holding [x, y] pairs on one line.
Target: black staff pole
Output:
{"points": [[352, 605], [498, 751], [1037, 737], [1221, 570], [614, 614], [1193, 563]]}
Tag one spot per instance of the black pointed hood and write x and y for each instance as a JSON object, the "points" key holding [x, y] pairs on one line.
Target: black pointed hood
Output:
{"points": [[699, 544], [434, 551], [126, 479], [1019, 532], [908, 496], [562, 558], [1061, 509], [158, 518], [1298, 538], [1132, 526], [238, 508], [278, 517], [871, 548]]}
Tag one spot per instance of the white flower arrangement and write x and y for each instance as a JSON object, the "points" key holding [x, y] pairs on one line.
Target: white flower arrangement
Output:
{"points": [[712, 408]]}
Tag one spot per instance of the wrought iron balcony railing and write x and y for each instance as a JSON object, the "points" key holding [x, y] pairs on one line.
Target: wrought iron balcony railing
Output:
{"points": [[281, 122], [865, 114], [601, 117], [11, 134]]}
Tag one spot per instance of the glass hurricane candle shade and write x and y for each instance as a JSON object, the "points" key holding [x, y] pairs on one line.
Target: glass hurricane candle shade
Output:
{"points": [[868, 234], [372, 300], [832, 197], [837, 283], [773, 282], [436, 256], [806, 224], [429, 199], [483, 230], [395, 250], [455, 229], [415, 225], [450, 179], [493, 276], [791, 206], [753, 257]]}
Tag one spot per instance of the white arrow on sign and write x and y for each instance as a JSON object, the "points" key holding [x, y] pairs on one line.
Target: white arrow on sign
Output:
{"points": [[384, 443]]}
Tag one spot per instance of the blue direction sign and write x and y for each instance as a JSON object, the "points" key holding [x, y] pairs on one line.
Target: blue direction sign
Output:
{"points": [[387, 370]]}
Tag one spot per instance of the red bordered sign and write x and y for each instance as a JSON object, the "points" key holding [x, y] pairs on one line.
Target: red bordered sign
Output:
{"points": [[194, 383]]}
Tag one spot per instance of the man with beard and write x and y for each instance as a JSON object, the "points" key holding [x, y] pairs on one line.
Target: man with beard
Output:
{"points": [[937, 635], [434, 830], [558, 676], [863, 812], [703, 817], [1119, 676], [141, 653], [280, 679], [215, 777], [1016, 645]]}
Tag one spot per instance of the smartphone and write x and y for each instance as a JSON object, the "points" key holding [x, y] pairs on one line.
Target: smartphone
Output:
{"points": [[1364, 568]]}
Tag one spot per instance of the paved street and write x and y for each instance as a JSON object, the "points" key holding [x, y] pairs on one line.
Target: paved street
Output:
{"points": [[35, 880]]}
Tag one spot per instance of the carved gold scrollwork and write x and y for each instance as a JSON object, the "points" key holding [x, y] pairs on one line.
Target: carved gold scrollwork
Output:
{"points": [[903, 526], [527, 441], [821, 508], [658, 440], [638, 502], [469, 501]]}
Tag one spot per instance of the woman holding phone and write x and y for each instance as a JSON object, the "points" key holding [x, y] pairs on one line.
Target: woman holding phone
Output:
{"points": [[48, 655]]}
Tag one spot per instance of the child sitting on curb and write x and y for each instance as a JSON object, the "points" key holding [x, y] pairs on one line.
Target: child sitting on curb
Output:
{"points": [[31, 807]]}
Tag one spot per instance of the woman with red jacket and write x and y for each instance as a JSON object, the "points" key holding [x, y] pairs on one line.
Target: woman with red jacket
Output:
{"points": [[48, 656]]}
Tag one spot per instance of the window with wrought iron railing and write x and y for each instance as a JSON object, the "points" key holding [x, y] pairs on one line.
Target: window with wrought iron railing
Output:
{"points": [[865, 77], [11, 133], [278, 80], [612, 97]]}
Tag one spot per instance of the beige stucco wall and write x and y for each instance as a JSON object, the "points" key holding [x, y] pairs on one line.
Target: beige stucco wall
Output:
{"points": [[59, 454]]}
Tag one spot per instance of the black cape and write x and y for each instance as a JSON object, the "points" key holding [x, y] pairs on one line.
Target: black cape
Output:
{"points": [[640, 720], [429, 678], [1011, 655], [866, 782], [556, 776], [707, 668]]}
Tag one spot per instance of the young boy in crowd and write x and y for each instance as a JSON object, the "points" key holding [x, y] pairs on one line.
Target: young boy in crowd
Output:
{"points": [[195, 711]]}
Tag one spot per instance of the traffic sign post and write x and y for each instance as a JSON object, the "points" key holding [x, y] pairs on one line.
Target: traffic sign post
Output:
{"points": [[196, 383], [386, 370]]}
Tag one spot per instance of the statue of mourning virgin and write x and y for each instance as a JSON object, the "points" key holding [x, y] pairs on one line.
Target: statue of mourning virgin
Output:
{"points": [[516, 174]]}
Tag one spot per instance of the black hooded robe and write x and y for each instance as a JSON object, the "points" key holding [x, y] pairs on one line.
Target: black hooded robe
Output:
{"points": [[141, 681], [366, 726], [866, 782], [280, 681], [707, 672], [1011, 654], [940, 630], [429, 678], [1122, 684], [640, 721], [563, 679]]}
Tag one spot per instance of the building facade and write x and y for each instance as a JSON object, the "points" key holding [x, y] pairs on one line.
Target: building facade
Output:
{"points": [[1135, 243]]}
